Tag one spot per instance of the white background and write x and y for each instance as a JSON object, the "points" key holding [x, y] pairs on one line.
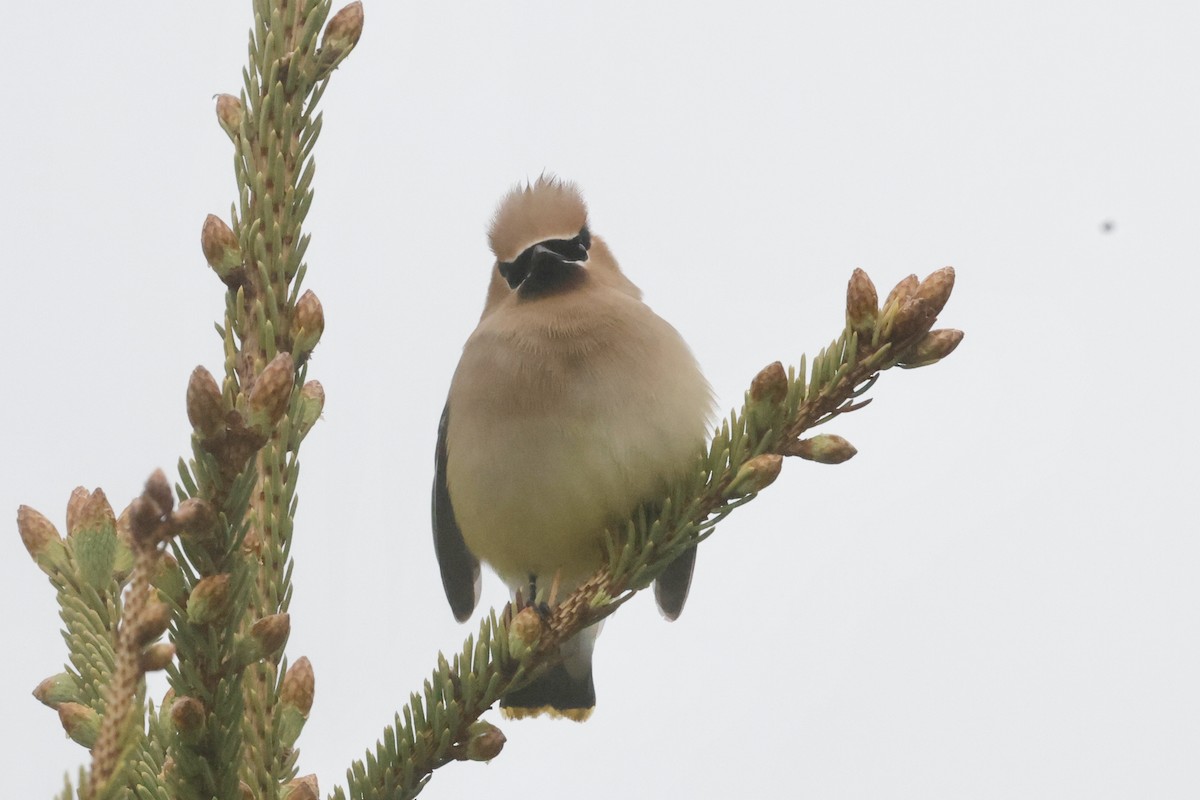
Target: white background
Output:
{"points": [[996, 599]]}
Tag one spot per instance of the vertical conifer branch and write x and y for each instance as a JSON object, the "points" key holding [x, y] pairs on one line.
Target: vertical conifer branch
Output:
{"points": [[275, 325]]}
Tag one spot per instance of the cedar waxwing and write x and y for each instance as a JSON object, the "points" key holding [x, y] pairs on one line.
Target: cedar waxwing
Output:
{"points": [[572, 405]]}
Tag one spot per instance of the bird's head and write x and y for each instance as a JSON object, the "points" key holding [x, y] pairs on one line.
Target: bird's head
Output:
{"points": [[540, 237]]}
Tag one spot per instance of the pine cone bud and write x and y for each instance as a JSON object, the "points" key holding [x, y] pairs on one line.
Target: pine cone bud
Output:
{"points": [[932, 348], [524, 632], [484, 741], [271, 633], [770, 385], [57, 689], [195, 519], [912, 319], [80, 722], [302, 788], [862, 303], [296, 699], [145, 521], [299, 686], [209, 601], [221, 248], [157, 656], [309, 322], [158, 489], [755, 475], [902, 292], [229, 114], [94, 540], [41, 539], [79, 496], [189, 717], [342, 32], [91, 512], [205, 406], [827, 448], [269, 398], [155, 619], [935, 290]]}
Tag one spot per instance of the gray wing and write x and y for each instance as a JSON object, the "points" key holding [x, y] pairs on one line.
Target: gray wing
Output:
{"points": [[460, 569], [671, 587]]}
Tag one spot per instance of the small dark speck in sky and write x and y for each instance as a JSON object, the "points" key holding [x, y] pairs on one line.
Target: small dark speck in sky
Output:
{"points": [[1108, 226]]}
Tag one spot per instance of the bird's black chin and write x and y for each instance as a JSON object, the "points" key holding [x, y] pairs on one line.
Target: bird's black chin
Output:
{"points": [[550, 276], [547, 267]]}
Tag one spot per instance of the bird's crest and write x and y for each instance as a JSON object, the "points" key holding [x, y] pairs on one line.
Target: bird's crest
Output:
{"points": [[548, 208]]}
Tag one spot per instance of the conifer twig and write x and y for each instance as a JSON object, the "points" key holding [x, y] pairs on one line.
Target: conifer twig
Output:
{"points": [[442, 724]]}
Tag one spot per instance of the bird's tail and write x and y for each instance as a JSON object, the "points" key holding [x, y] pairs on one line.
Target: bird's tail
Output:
{"points": [[564, 690]]}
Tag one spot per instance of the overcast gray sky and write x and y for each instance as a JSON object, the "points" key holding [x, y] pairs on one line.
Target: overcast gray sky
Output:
{"points": [[996, 599]]}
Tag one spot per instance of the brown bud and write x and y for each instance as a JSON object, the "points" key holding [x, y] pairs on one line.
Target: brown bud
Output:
{"points": [[299, 686], [269, 397], [205, 407], [195, 518], [932, 348], [302, 788], [80, 722], [39, 535], [158, 489], [79, 497], [309, 323], [157, 656], [188, 716], [484, 741], [245, 790], [220, 246], [229, 114], [912, 319], [210, 600], [755, 475], [92, 514], [153, 621], [935, 290], [770, 385], [271, 633], [94, 541], [343, 30], [827, 448], [57, 689], [145, 521], [903, 290], [524, 632], [862, 303]]}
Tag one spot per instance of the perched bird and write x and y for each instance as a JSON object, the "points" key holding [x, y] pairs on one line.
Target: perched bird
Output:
{"points": [[573, 404]]}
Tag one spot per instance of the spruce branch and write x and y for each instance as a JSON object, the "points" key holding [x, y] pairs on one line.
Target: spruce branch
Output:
{"points": [[745, 456], [142, 622], [234, 711]]}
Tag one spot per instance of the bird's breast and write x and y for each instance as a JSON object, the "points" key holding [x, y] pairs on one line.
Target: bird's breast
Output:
{"points": [[560, 425]]}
